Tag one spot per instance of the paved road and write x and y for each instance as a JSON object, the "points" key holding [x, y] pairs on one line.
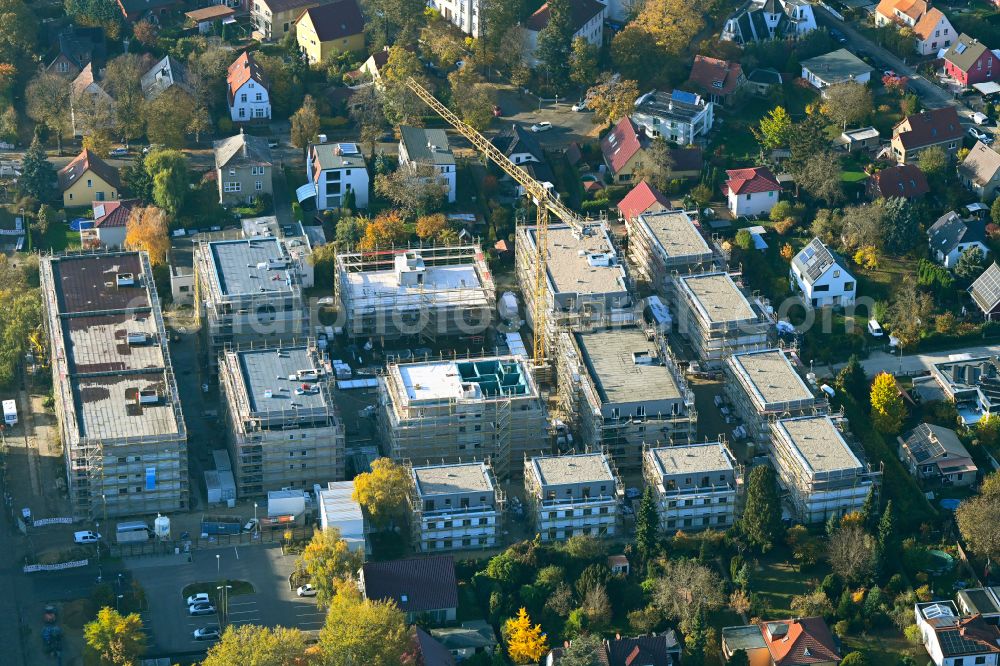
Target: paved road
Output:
{"points": [[163, 578], [913, 363]]}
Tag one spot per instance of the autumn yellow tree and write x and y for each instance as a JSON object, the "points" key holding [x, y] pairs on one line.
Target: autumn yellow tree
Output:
{"points": [[429, 226], [671, 23], [147, 230], [326, 559], [382, 491], [385, 231], [787, 252], [362, 631], [611, 99], [526, 644], [888, 410], [115, 639], [866, 257]]}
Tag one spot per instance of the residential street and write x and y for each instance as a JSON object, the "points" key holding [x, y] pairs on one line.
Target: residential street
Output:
{"points": [[912, 363]]}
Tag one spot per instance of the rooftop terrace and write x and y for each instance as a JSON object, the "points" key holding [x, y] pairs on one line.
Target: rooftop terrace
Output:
{"points": [[480, 379]]}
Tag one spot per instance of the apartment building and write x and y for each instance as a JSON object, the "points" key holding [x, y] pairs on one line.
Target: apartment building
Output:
{"points": [[248, 291], [462, 410], [120, 419], [573, 495], [336, 172], [455, 507], [621, 390], [677, 116], [763, 385], [718, 319], [463, 14], [664, 245], [586, 284], [425, 293], [428, 149], [821, 473], [283, 425], [697, 486]]}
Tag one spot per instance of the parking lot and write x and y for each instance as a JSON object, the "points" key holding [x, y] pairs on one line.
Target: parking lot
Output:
{"points": [[171, 628]]}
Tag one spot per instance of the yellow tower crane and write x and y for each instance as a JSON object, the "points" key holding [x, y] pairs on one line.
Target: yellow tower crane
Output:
{"points": [[544, 201]]}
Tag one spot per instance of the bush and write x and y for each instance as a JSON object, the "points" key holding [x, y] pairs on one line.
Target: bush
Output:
{"points": [[225, 125], [334, 122], [913, 634], [594, 205]]}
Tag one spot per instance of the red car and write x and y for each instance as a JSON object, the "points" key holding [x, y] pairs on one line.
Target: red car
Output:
{"points": [[497, 111]]}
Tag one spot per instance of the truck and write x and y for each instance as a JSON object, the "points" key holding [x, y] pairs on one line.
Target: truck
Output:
{"points": [[136, 530], [9, 413]]}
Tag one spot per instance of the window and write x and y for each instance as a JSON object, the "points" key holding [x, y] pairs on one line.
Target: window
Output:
{"points": [[748, 197], [243, 113], [258, 186], [232, 172], [235, 186], [243, 97], [848, 286], [90, 183], [256, 171], [836, 274], [260, 96]]}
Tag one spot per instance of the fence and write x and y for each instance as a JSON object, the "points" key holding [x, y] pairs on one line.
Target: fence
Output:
{"points": [[32, 568], [170, 547]]}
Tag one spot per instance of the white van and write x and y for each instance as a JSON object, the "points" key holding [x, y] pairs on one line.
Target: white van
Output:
{"points": [[980, 118], [874, 329], [9, 413]]}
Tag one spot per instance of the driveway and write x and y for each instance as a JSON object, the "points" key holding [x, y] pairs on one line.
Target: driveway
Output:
{"points": [[170, 627]]}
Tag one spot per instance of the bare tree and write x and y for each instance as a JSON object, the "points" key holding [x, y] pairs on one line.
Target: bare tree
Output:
{"points": [[48, 103], [851, 551], [686, 590], [417, 189]]}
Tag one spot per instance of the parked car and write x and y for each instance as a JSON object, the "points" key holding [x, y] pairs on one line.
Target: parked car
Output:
{"points": [[119, 152], [978, 134], [497, 111], [251, 525], [200, 598], [543, 126], [580, 106], [86, 537], [209, 633], [632, 493], [980, 118], [306, 590], [272, 143], [201, 609], [890, 73], [838, 35], [875, 329]]}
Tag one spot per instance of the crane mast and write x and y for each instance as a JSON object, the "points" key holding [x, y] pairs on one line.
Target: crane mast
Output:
{"points": [[545, 202]]}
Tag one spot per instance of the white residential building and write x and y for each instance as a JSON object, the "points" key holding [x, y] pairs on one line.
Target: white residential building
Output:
{"points": [[337, 510], [334, 169], [763, 20], [951, 236], [696, 486], [573, 495], [934, 32], [677, 116], [953, 640], [751, 192], [247, 94], [455, 507], [428, 149], [823, 476], [463, 14], [822, 277], [840, 66]]}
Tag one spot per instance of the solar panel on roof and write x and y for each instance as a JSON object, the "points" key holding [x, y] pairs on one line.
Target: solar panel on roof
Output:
{"points": [[348, 149], [960, 48], [684, 96]]}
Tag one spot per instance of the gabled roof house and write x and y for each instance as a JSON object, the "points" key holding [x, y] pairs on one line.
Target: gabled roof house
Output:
{"points": [[822, 276], [902, 180], [950, 236], [980, 171]]}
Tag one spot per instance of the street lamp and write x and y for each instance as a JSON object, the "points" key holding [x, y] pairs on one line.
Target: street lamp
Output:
{"points": [[255, 514], [218, 563], [224, 594], [117, 600]]}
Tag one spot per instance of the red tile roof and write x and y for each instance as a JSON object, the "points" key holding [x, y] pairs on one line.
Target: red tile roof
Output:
{"points": [[925, 26], [84, 162], [799, 641], [714, 76], [640, 199], [621, 143], [241, 71], [113, 213], [581, 11], [749, 181], [335, 20], [905, 180], [928, 128]]}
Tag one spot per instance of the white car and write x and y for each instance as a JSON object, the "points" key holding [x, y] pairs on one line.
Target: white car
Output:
{"points": [[980, 118], [543, 126], [86, 537], [580, 106], [209, 633], [306, 590], [118, 152], [200, 598], [978, 134], [201, 609]]}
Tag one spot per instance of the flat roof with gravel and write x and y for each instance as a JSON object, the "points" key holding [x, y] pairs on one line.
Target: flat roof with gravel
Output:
{"points": [[718, 299], [691, 459], [819, 444], [452, 479], [771, 376], [564, 470], [271, 381], [624, 366], [676, 234], [576, 263]]}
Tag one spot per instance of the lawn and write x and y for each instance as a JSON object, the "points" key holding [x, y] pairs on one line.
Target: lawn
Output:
{"points": [[59, 238], [778, 578], [853, 176]]}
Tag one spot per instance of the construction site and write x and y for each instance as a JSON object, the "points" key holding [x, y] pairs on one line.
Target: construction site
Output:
{"points": [[422, 293], [247, 291], [697, 486], [667, 244], [470, 410], [620, 389], [586, 286], [284, 429], [718, 319], [115, 393], [573, 495], [763, 385], [822, 475], [455, 507]]}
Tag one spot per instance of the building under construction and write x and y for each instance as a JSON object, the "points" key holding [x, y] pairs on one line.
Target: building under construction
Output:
{"points": [[718, 319], [284, 429], [248, 291], [620, 389], [453, 411], [696, 486], [763, 385], [821, 473], [426, 292], [455, 507], [587, 286], [664, 245], [573, 495], [121, 424]]}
